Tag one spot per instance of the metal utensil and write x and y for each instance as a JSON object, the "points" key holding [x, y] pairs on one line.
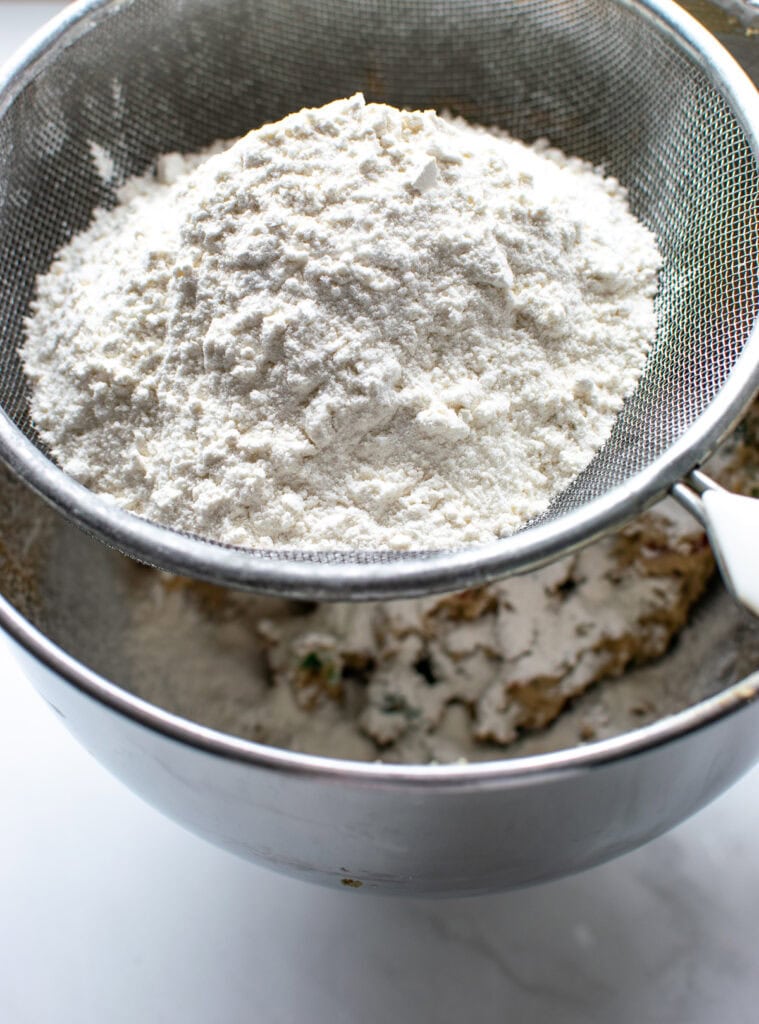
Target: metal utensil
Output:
{"points": [[370, 827], [635, 85]]}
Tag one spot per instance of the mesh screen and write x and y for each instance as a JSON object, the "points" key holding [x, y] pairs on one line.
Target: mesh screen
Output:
{"points": [[595, 77]]}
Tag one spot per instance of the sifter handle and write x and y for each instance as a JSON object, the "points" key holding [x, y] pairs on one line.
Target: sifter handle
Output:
{"points": [[732, 526]]}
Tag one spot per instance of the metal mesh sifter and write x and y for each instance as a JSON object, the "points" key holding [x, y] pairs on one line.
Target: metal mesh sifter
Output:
{"points": [[635, 86]]}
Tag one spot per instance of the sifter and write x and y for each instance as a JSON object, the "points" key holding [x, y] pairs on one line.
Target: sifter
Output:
{"points": [[635, 86]]}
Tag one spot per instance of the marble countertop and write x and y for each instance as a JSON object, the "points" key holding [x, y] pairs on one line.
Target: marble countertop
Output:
{"points": [[111, 913]]}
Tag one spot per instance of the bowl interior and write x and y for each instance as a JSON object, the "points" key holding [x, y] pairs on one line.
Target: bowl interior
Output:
{"points": [[192, 649]]}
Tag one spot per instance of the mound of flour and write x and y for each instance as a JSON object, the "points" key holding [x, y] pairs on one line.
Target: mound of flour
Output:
{"points": [[357, 327]]}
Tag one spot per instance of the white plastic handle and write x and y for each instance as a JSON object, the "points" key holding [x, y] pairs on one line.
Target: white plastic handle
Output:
{"points": [[732, 525]]}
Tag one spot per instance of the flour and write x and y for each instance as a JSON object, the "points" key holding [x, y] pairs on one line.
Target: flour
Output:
{"points": [[473, 675], [434, 677], [439, 678], [357, 327], [477, 675]]}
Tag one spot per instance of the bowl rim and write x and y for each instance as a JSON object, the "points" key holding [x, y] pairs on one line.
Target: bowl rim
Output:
{"points": [[500, 773]]}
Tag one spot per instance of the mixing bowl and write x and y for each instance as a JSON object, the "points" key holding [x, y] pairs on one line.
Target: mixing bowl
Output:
{"points": [[426, 830], [422, 830]]}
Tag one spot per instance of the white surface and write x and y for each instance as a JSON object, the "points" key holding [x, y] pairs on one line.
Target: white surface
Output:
{"points": [[110, 914]]}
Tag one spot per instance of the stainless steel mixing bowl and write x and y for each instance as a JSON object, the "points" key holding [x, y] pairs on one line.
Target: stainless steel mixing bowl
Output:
{"points": [[427, 830], [452, 830]]}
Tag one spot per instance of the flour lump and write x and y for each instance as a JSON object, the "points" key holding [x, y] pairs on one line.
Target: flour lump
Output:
{"points": [[357, 327]]}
